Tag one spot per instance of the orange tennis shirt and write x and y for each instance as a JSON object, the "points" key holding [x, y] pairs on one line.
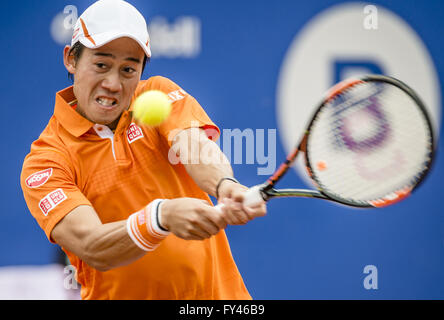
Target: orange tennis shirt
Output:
{"points": [[76, 162]]}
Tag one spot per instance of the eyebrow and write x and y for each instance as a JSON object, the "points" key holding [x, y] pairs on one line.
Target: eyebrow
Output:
{"points": [[104, 54]]}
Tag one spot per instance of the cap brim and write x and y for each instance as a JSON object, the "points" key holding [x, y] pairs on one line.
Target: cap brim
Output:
{"points": [[106, 37]]}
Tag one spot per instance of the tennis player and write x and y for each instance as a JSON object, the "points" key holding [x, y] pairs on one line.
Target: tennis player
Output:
{"points": [[100, 185]]}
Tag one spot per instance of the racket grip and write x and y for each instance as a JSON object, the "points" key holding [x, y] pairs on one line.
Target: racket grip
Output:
{"points": [[252, 198], [219, 207]]}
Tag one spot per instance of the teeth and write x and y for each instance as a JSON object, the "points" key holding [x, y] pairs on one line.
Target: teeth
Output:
{"points": [[106, 102]]}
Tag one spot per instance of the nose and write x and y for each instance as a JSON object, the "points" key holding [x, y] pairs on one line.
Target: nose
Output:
{"points": [[112, 82]]}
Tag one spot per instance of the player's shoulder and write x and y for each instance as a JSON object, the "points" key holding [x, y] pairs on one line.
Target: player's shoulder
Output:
{"points": [[48, 146], [158, 83], [159, 80]]}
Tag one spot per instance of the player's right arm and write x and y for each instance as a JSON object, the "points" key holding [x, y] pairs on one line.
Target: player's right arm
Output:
{"points": [[102, 246], [107, 246], [69, 219]]}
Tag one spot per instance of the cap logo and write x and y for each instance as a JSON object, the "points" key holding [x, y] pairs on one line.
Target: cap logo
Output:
{"points": [[86, 33], [39, 178], [76, 32]]}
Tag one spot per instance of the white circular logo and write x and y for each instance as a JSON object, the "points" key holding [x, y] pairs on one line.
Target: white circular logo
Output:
{"points": [[346, 40]]}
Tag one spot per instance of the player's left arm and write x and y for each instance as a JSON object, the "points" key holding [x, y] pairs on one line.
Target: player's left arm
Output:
{"points": [[208, 165]]}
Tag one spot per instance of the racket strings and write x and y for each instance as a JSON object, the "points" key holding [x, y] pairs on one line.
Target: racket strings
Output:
{"points": [[368, 142]]}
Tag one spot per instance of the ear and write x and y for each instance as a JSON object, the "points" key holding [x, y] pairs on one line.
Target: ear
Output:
{"points": [[68, 60]]}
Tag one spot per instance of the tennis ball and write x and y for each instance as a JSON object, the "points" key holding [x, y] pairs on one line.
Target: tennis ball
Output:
{"points": [[152, 107]]}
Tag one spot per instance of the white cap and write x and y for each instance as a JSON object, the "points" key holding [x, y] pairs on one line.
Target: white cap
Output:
{"points": [[107, 20]]}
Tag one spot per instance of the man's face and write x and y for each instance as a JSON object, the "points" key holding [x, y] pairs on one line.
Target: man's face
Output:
{"points": [[105, 80]]}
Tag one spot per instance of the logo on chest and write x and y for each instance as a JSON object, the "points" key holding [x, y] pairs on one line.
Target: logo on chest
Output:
{"points": [[134, 133]]}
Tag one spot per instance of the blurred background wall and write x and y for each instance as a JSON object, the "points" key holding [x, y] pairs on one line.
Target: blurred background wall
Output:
{"points": [[259, 67]]}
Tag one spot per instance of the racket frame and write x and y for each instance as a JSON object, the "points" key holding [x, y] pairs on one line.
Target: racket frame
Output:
{"points": [[267, 190]]}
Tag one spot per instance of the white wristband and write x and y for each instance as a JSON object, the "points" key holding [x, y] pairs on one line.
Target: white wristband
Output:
{"points": [[156, 214], [143, 228]]}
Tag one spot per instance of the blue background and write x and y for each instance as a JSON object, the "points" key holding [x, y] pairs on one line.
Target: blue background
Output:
{"points": [[303, 249]]}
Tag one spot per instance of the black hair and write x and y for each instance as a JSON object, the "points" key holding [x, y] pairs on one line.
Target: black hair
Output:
{"points": [[77, 49]]}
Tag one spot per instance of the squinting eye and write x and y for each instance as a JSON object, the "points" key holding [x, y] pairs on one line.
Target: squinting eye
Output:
{"points": [[129, 70], [100, 65]]}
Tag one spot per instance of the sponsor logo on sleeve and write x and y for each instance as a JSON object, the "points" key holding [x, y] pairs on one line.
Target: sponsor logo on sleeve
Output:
{"points": [[177, 95], [134, 133], [39, 178], [52, 200]]}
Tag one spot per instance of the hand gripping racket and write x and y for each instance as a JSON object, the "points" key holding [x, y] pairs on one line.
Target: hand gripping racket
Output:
{"points": [[369, 144]]}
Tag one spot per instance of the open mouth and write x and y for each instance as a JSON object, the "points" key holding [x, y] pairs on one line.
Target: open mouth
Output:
{"points": [[106, 102]]}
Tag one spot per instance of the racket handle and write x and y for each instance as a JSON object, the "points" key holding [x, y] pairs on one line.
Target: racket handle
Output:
{"points": [[252, 198], [219, 207]]}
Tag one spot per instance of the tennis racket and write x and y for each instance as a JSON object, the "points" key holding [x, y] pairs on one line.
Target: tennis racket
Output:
{"points": [[369, 144]]}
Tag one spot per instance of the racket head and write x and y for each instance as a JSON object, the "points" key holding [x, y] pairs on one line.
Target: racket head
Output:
{"points": [[370, 142]]}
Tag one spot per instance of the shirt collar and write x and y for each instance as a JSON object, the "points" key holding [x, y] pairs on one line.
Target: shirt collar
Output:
{"points": [[69, 118], [75, 123]]}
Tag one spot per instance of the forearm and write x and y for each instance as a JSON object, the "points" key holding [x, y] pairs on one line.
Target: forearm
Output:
{"points": [[203, 160], [109, 246], [208, 175]]}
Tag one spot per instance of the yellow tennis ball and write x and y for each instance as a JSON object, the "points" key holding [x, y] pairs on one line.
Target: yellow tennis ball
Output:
{"points": [[152, 107]]}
